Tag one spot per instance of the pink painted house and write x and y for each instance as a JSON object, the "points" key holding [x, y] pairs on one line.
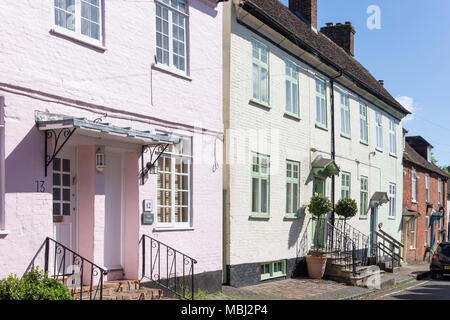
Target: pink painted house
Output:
{"points": [[111, 139]]}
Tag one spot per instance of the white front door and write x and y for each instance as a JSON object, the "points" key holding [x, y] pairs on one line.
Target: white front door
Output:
{"points": [[64, 205], [113, 211]]}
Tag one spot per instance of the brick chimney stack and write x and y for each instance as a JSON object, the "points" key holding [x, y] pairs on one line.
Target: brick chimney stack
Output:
{"points": [[341, 34], [307, 9]]}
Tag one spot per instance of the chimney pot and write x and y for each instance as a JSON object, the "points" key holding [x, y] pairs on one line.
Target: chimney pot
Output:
{"points": [[307, 9], [381, 82], [329, 24], [348, 22]]}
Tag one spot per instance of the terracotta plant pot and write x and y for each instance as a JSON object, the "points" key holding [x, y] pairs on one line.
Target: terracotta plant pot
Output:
{"points": [[316, 266]]}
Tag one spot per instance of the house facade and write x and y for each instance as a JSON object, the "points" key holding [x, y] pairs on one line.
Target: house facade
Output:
{"points": [[112, 129], [425, 189], [297, 104]]}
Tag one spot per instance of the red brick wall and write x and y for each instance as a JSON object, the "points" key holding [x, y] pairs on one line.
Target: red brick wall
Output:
{"points": [[417, 254]]}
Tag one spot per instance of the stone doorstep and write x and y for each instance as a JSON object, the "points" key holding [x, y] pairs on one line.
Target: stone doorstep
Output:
{"points": [[121, 290]]}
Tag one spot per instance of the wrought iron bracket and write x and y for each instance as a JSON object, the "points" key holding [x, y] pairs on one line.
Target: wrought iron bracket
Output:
{"points": [[157, 150], [60, 139]]}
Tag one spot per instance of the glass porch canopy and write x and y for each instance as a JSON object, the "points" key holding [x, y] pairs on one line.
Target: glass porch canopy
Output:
{"points": [[60, 128], [48, 121]]}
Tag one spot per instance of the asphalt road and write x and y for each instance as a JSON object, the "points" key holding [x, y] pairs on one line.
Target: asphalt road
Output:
{"points": [[426, 289]]}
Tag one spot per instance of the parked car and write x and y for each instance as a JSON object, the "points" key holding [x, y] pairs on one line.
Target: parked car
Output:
{"points": [[440, 263]]}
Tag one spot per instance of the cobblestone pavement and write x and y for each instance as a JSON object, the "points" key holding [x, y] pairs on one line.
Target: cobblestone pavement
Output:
{"points": [[292, 289]]}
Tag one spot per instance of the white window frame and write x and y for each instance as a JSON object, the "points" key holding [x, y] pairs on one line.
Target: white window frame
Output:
{"points": [[379, 131], [392, 138], [77, 35], [345, 115], [413, 185], [171, 11], [321, 114], [261, 65], [363, 122], [439, 191], [346, 177], [427, 187], [174, 156], [392, 200], [292, 80]]}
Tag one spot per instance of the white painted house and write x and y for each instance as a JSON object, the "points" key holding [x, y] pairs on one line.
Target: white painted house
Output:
{"points": [[280, 74]]}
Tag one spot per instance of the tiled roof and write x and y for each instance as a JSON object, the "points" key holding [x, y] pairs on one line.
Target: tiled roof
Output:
{"points": [[412, 156], [279, 14]]}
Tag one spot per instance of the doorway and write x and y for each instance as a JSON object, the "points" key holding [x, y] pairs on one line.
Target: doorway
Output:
{"points": [[318, 224]]}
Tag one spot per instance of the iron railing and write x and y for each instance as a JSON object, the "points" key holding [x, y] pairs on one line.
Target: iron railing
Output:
{"points": [[83, 277], [335, 243], [387, 245], [168, 267], [362, 242]]}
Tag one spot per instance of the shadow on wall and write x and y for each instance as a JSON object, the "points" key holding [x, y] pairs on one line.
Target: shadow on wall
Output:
{"points": [[24, 166], [296, 228], [205, 6]]}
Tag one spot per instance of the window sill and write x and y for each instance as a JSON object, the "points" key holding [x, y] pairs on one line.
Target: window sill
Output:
{"points": [[392, 218], [321, 127], [162, 229], [172, 71], [393, 155], [379, 149], [364, 143], [291, 216], [272, 277], [3, 233], [260, 104], [292, 116], [73, 36], [343, 135], [260, 217], [364, 218]]}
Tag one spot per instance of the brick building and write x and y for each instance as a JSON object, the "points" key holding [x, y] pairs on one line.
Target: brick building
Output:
{"points": [[424, 188]]}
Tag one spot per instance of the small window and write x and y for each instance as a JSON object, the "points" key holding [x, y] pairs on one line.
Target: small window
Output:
{"points": [[272, 270], [321, 103], [171, 34], [364, 205], [379, 130], [260, 184], [413, 185], [345, 185], [392, 138], [392, 200], [363, 123], [292, 103], [80, 18], [292, 187], [260, 72], [345, 115]]}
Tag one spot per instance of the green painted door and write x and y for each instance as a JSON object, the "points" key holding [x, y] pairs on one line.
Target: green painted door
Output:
{"points": [[318, 226]]}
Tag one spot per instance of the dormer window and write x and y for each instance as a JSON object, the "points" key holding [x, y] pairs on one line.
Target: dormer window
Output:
{"points": [[429, 154]]}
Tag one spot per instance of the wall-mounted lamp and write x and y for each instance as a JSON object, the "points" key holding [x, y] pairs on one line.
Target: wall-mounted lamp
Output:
{"points": [[100, 160]]}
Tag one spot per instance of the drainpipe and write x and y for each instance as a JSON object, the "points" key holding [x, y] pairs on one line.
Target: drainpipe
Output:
{"points": [[333, 144]]}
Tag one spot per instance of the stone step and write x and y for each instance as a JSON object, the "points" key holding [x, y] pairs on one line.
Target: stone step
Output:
{"points": [[119, 290]]}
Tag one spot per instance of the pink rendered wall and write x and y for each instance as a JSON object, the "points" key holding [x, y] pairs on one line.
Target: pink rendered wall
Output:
{"points": [[131, 216], [42, 71], [86, 191]]}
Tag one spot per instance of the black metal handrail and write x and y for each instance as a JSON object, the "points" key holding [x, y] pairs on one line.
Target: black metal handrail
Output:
{"points": [[380, 246], [337, 245], [162, 261], [83, 277], [361, 240]]}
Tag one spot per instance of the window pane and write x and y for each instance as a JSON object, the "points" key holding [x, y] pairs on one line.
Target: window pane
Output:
{"points": [[255, 195], [264, 85], [56, 194], [66, 165], [294, 98], [255, 81], [66, 209], [66, 194], [264, 196], [56, 209], [56, 164], [288, 198], [294, 197], [288, 96], [56, 179]]}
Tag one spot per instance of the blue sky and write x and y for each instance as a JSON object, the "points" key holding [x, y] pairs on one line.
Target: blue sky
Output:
{"points": [[411, 53]]}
